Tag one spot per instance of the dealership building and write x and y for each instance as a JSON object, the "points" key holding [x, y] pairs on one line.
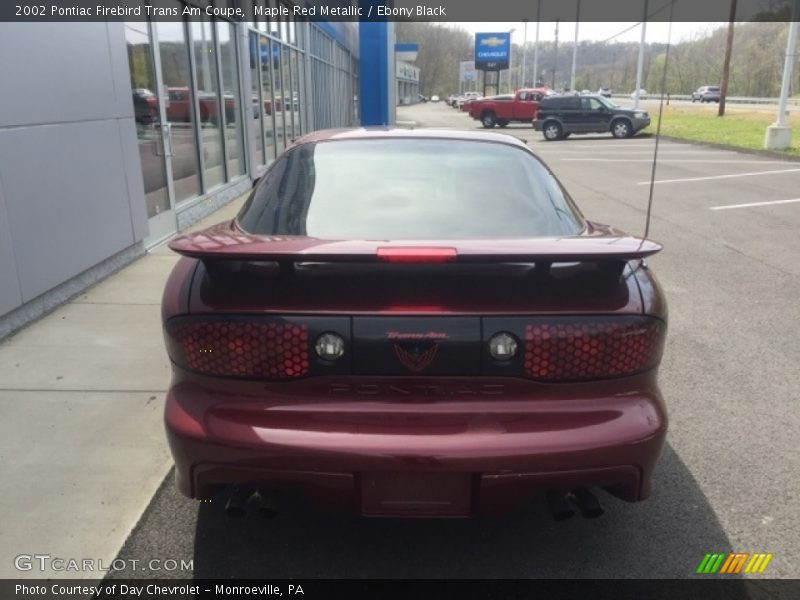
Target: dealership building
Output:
{"points": [[116, 135]]}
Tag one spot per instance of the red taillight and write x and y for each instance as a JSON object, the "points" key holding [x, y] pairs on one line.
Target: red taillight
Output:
{"points": [[239, 348], [417, 255], [583, 348]]}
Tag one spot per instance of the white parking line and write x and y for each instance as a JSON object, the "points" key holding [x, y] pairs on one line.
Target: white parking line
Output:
{"points": [[660, 152], [727, 206], [563, 148], [678, 160], [753, 174]]}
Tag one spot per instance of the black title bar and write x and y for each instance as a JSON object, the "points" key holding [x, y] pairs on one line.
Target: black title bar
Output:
{"points": [[396, 10]]}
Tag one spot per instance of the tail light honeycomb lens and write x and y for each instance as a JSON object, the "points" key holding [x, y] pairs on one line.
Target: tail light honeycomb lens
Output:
{"points": [[587, 348], [254, 349]]}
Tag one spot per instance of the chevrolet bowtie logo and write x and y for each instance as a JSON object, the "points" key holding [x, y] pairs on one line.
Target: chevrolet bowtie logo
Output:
{"points": [[492, 42]]}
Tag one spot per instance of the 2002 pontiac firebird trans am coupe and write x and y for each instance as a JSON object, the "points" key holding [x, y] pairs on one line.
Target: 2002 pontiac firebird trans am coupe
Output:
{"points": [[414, 323]]}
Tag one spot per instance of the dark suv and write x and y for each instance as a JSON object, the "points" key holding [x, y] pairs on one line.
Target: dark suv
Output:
{"points": [[560, 116]]}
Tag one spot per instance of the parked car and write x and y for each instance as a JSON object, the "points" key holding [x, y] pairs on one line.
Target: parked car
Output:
{"points": [[421, 98], [605, 92], [434, 98], [502, 110], [465, 338], [179, 106], [584, 92], [561, 116], [706, 93], [145, 106], [465, 97], [642, 94], [451, 99]]}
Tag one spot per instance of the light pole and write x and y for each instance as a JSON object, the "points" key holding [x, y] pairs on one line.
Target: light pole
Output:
{"points": [[779, 134], [640, 63], [510, 33], [575, 48], [555, 58], [536, 44], [524, 50]]}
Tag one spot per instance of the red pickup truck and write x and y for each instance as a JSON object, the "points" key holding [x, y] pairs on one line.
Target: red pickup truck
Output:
{"points": [[501, 110]]}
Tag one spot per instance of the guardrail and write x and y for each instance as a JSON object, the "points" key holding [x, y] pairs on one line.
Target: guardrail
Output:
{"points": [[794, 102]]}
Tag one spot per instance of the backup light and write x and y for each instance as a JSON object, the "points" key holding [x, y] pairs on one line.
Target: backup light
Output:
{"points": [[503, 346], [329, 346]]}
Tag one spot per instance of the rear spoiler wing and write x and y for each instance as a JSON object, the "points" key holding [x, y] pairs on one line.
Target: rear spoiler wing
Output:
{"points": [[601, 246]]}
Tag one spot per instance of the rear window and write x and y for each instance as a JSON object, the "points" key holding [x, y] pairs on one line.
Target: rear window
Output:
{"points": [[409, 189]]}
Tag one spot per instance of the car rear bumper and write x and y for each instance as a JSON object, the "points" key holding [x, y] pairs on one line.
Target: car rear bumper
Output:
{"points": [[455, 456]]}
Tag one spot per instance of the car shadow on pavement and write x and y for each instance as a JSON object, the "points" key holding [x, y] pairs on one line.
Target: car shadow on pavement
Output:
{"points": [[666, 536]]}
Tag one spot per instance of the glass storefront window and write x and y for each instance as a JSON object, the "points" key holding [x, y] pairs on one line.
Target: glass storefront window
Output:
{"points": [[290, 95], [279, 93], [177, 82], [205, 58], [256, 129], [297, 66], [234, 142], [144, 90], [268, 99]]}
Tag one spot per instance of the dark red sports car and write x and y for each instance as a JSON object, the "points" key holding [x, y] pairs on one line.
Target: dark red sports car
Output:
{"points": [[414, 323]]}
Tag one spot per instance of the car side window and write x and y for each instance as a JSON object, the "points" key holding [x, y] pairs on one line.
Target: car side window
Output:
{"points": [[590, 104], [523, 96]]}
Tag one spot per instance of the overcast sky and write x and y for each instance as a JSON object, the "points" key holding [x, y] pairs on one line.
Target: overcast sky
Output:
{"points": [[657, 31]]}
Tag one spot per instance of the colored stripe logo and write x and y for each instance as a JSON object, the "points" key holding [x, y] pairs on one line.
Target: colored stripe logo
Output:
{"points": [[733, 563]]}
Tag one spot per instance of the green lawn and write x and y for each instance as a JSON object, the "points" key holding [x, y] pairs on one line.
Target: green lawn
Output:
{"points": [[739, 128]]}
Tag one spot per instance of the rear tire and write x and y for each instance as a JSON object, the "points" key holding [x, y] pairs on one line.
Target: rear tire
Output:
{"points": [[621, 129], [552, 131], [488, 120]]}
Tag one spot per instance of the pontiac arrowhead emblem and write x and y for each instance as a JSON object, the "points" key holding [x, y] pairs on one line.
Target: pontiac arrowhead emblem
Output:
{"points": [[416, 359]]}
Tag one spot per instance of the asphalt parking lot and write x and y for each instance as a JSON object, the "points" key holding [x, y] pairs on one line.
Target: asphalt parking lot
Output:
{"points": [[728, 478]]}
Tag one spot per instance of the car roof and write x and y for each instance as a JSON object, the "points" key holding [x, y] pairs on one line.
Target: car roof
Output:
{"points": [[372, 133]]}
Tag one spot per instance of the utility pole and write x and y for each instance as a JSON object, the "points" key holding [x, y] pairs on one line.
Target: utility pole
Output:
{"points": [[640, 63], [555, 58], [575, 48], [524, 50], [536, 45], [726, 66]]}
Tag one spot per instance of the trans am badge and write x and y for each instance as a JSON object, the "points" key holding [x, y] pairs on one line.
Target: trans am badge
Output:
{"points": [[416, 359]]}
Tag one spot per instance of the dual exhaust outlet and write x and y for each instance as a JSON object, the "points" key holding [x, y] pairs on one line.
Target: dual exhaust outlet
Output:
{"points": [[237, 503], [562, 504]]}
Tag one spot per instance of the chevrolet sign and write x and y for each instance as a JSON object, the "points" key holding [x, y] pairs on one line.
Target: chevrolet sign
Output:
{"points": [[492, 51]]}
